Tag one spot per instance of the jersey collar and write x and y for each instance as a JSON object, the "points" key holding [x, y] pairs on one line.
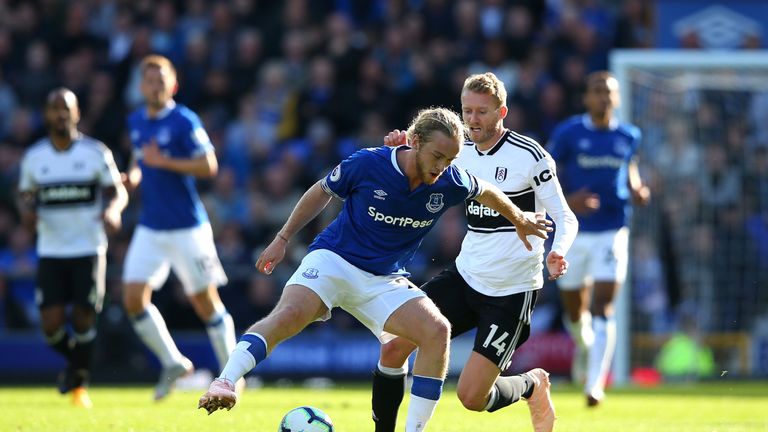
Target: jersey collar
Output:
{"points": [[163, 112], [586, 120], [496, 146], [393, 158]]}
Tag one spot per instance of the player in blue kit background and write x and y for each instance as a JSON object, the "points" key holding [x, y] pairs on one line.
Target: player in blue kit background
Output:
{"points": [[392, 198], [171, 148], [595, 155]]}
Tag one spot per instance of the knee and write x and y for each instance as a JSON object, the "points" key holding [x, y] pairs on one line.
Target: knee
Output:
{"points": [[51, 326], [472, 400], [437, 333], [394, 353], [132, 301], [83, 320], [289, 316]]}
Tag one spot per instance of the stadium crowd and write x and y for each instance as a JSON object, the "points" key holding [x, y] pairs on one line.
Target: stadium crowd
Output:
{"points": [[288, 89]]}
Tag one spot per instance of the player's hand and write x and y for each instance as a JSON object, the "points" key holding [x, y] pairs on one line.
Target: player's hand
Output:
{"points": [[395, 138], [556, 265], [112, 221], [584, 201], [534, 224], [272, 255], [641, 196], [152, 155]]}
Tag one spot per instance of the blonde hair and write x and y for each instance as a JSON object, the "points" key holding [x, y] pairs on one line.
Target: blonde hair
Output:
{"points": [[432, 120], [487, 83], [158, 61]]}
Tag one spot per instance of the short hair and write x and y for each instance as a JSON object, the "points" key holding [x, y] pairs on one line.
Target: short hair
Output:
{"points": [[158, 61], [64, 92], [596, 76], [432, 120], [487, 83]]}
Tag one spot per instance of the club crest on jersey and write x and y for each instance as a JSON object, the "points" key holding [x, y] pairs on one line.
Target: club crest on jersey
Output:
{"points": [[310, 273], [336, 173], [501, 174], [435, 202]]}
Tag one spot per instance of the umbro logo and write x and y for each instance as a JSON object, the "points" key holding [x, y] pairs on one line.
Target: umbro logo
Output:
{"points": [[379, 194]]}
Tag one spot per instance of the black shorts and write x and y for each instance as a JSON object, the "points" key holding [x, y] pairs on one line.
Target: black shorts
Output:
{"points": [[78, 281], [503, 323]]}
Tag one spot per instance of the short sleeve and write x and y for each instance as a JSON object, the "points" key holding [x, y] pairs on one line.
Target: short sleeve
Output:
{"points": [[344, 177], [26, 179], [557, 145], [195, 139], [467, 182], [109, 175]]}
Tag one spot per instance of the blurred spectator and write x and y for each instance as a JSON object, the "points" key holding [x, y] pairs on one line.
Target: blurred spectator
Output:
{"points": [[18, 261], [7, 105]]}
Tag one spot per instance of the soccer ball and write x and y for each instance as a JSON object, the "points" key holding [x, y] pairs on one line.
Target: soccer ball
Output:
{"points": [[306, 419]]}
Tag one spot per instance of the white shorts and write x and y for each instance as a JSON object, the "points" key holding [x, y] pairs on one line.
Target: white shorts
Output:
{"points": [[596, 256], [190, 252], [368, 297]]}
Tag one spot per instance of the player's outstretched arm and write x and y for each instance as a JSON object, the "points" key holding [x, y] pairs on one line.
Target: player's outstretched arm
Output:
{"points": [[309, 206], [525, 224]]}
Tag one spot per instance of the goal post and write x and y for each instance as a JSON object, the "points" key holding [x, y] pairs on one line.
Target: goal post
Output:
{"points": [[672, 95]]}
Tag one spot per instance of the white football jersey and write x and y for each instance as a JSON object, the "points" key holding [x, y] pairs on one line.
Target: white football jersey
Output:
{"points": [[493, 260], [68, 191]]}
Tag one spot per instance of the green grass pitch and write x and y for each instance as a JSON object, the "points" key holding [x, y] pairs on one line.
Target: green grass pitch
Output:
{"points": [[725, 407]]}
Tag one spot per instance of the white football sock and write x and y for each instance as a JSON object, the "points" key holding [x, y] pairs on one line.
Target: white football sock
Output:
{"points": [[425, 392], [221, 332], [600, 356], [151, 328], [581, 331], [249, 352]]}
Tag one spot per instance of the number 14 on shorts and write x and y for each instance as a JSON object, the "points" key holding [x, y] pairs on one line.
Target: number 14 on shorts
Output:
{"points": [[497, 343]]}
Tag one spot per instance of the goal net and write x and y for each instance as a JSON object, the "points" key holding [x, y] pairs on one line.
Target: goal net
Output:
{"points": [[699, 251]]}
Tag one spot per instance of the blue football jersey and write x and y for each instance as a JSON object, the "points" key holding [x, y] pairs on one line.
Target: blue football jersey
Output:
{"points": [[169, 199], [596, 159], [383, 222]]}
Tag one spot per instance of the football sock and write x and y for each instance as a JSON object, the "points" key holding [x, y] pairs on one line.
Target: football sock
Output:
{"points": [[60, 342], [581, 331], [425, 392], [249, 352], [600, 355], [388, 393], [151, 328], [221, 332], [82, 355], [509, 390]]}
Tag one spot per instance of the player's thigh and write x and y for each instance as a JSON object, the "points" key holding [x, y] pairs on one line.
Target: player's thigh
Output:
{"points": [[503, 325], [612, 256], [146, 261], [194, 259], [88, 280], [53, 282], [448, 290], [579, 257]]}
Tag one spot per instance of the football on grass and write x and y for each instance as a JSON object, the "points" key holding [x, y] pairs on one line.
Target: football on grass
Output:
{"points": [[306, 419]]}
